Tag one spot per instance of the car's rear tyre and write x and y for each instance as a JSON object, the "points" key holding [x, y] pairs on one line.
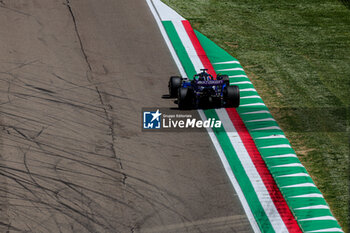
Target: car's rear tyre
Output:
{"points": [[185, 98], [174, 85], [231, 96]]}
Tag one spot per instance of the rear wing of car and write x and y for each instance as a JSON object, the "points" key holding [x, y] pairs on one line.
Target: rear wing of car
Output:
{"points": [[210, 83]]}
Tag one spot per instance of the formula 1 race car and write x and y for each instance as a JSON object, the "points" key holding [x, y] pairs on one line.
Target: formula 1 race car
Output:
{"points": [[204, 91]]}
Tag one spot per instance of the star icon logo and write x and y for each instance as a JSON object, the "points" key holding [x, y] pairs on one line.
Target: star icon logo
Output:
{"points": [[151, 119], [156, 115]]}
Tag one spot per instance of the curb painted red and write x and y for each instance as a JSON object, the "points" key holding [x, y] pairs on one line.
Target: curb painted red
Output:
{"points": [[270, 184], [198, 47]]}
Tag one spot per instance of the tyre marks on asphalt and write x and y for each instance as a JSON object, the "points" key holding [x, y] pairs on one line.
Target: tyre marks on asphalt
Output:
{"points": [[55, 139], [74, 158]]}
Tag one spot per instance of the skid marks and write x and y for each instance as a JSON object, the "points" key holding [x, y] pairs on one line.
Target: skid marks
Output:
{"points": [[58, 147]]}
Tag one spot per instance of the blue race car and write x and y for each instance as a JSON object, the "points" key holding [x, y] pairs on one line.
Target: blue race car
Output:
{"points": [[204, 91]]}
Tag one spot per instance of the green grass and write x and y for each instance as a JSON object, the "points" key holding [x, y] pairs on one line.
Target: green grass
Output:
{"points": [[297, 54]]}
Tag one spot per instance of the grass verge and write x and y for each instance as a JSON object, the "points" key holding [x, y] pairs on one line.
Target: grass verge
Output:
{"points": [[297, 54]]}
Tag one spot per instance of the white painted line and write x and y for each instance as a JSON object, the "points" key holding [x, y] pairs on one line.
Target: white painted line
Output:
{"points": [[253, 175], [165, 12], [300, 185], [265, 119], [232, 69], [251, 97], [257, 112], [238, 76], [165, 36], [311, 195], [267, 128], [328, 230], [272, 136], [282, 156], [276, 146], [289, 165], [227, 62], [231, 176], [313, 207], [255, 104], [295, 175], [242, 82], [319, 218], [247, 89]]}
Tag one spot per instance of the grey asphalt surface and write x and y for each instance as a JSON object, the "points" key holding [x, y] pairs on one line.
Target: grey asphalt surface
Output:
{"points": [[73, 79]]}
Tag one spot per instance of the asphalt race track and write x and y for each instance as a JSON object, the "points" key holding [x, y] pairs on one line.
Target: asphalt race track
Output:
{"points": [[73, 79]]}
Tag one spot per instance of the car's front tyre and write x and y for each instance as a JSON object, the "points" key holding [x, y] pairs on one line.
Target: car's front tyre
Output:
{"points": [[174, 85]]}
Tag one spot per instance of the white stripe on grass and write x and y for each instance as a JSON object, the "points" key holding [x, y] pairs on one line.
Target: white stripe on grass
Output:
{"points": [[295, 175], [267, 128], [328, 230], [242, 82], [319, 218], [272, 137], [254, 104], [232, 69], [256, 112], [226, 62], [289, 165], [282, 156], [251, 97], [259, 120], [276, 146], [313, 207], [303, 185], [238, 76], [310, 195], [247, 89]]}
